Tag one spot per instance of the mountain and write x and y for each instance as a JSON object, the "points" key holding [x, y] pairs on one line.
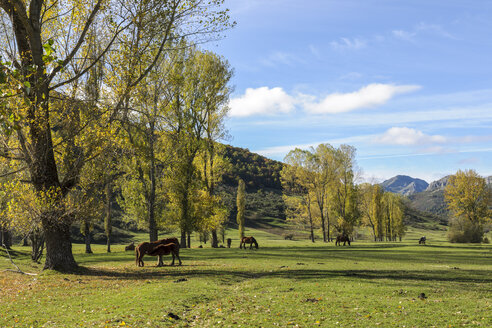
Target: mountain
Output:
{"points": [[405, 185], [438, 185]]}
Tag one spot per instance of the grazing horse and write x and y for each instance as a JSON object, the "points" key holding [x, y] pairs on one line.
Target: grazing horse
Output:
{"points": [[422, 240], [248, 240], [341, 238], [166, 249], [146, 247], [130, 247]]}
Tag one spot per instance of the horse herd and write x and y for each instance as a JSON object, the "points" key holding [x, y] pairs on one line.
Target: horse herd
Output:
{"points": [[171, 246]]}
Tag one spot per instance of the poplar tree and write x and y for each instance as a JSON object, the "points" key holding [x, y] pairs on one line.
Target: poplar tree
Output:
{"points": [[240, 203]]}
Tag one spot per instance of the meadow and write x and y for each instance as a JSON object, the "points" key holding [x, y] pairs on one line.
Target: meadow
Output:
{"points": [[281, 284]]}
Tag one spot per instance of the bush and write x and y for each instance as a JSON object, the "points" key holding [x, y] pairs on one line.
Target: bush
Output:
{"points": [[464, 231]]}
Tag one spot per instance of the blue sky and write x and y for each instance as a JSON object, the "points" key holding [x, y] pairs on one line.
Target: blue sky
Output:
{"points": [[408, 83]]}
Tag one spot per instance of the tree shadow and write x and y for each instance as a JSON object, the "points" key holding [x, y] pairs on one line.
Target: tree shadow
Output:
{"points": [[155, 273]]}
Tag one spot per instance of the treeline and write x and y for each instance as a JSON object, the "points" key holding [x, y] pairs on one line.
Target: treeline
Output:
{"points": [[322, 193]]}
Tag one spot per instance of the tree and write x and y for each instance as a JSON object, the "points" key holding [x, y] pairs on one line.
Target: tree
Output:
{"points": [[371, 208], [344, 193], [240, 203], [215, 75], [393, 216], [295, 177], [197, 96], [47, 50], [468, 197]]}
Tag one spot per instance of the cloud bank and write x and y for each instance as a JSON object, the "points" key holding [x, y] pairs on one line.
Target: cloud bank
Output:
{"points": [[408, 137], [369, 96], [263, 100]]}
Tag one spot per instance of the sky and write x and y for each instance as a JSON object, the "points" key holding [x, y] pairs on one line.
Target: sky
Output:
{"points": [[408, 83]]}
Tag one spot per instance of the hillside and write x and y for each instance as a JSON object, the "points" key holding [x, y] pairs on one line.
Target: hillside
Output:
{"points": [[258, 172]]}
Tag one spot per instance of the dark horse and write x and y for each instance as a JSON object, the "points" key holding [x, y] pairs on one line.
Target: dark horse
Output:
{"points": [[248, 240], [422, 240], [341, 238], [166, 249], [147, 247]]}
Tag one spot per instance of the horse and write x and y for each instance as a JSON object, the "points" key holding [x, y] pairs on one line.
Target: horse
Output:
{"points": [[146, 247], [422, 240], [130, 247], [166, 249], [248, 240], [341, 238]]}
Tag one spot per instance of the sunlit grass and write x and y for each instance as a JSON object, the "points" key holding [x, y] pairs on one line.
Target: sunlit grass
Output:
{"points": [[283, 283]]}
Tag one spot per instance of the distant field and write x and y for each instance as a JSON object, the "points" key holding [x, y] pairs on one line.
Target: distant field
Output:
{"points": [[282, 284]]}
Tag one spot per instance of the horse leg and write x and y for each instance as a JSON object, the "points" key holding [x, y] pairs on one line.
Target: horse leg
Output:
{"points": [[177, 254], [172, 253], [161, 263]]}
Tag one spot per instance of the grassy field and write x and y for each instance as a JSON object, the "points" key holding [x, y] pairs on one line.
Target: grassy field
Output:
{"points": [[282, 284]]}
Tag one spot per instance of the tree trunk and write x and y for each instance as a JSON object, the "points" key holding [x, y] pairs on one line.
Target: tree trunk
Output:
{"points": [[310, 217], [215, 239], [5, 238], [107, 220], [87, 238], [183, 239], [152, 223], [189, 239], [58, 247], [37, 244]]}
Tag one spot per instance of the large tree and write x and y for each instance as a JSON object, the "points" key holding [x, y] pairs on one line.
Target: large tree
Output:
{"points": [[296, 177], [46, 50], [469, 198]]}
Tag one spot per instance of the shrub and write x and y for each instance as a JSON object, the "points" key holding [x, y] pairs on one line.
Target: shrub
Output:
{"points": [[463, 231]]}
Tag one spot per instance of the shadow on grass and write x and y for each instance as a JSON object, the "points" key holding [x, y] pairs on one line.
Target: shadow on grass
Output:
{"points": [[154, 273], [13, 253], [364, 253]]}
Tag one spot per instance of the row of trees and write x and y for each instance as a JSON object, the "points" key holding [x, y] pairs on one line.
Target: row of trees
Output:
{"points": [[321, 192], [101, 91]]}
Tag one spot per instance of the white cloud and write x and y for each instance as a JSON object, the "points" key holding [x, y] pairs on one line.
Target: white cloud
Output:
{"points": [[261, 101], [408, 137], [422, 28], [404, 35], [281, 58], [368, 96], [346, 43]]}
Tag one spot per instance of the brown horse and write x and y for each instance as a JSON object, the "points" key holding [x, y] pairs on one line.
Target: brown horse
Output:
{"points": [[341, 238], [166, 249], [130, 247], [248, 240], [146, 247]]}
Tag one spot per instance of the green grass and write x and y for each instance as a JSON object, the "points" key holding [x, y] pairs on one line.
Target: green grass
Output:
{"points": [[282, 284]]}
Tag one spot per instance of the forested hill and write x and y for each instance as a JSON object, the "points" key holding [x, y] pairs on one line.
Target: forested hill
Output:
{"points": [[258, 172]]}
